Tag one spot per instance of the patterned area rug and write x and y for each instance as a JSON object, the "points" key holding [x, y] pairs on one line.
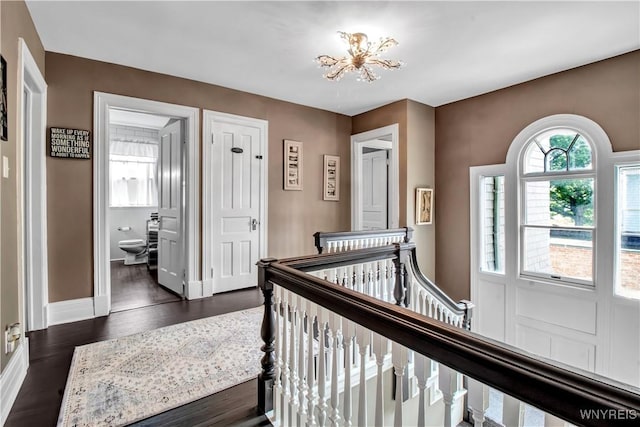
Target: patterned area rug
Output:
{"points": [[120, 381]]}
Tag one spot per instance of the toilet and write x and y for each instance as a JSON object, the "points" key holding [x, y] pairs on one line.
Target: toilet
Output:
{"points": [[135, 251]]}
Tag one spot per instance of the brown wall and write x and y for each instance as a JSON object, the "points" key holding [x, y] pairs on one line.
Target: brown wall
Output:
{"points": [[72, 81], [16, 22], [384, 116], [421, 173], [416, 157], [479, 131]]}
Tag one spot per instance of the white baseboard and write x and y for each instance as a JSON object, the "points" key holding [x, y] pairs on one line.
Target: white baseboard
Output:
{"points": [[101, 305], [12, 377], [71, 311], [207, 287], [193, 290]]}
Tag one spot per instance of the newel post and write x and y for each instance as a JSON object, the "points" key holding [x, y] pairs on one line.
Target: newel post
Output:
{"points": [[400, 291], [268, 334], [468, 312]]}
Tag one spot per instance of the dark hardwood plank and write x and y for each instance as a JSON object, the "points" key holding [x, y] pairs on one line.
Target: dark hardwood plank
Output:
{"points": [[134, 286], [51, 350], [226, 408]]}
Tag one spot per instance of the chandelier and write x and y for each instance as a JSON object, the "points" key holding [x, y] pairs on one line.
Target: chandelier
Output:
{"points": [[362, 55]]}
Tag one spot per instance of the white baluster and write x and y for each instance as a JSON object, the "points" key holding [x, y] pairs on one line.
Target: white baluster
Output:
{"points": [[322, 370], [380, 348], [277, 386], [446, 380], [476, 401], [302, 384], [399, 359], [363, 338], [422, 369], [293, 360], [311, 374], [335, 323], [512, 411], [286, 396], [349, 332]]}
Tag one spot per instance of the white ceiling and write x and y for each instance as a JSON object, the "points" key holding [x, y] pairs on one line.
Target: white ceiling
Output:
{"points": [[452, 50]]}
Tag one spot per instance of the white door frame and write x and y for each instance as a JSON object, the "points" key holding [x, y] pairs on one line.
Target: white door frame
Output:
{"points": [[365, 139], [32, 156], [102, 275], [207, 191]]}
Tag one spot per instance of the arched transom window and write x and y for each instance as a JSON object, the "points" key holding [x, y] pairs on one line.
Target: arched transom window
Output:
{"points": [[557, 224]]}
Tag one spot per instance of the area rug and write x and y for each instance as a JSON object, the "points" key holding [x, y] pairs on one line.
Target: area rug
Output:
{"points": [[120, 381]]}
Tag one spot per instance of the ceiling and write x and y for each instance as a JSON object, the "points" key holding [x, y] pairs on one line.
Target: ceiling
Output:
{"points": [[452, 50]]}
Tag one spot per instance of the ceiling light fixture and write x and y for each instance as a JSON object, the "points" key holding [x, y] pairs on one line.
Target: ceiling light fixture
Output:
{"points": [[362, 55]]}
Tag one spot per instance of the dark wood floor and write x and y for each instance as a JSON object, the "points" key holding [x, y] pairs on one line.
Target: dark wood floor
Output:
{"points": [[38, 402], [134, 286]]}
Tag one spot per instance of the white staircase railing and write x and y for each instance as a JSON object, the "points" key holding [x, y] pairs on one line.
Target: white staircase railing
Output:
{"points": [[332, 351]]}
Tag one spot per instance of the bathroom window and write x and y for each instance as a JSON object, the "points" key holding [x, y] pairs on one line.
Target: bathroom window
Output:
{"points": [[133, 173]]}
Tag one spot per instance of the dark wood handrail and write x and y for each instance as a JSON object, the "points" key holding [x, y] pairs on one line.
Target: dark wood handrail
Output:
{"points": [[321, 237], [556, 389], [462, 308]]}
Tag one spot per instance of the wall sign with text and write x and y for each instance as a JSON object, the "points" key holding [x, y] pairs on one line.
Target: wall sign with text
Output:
{"points": [[69, 143]]}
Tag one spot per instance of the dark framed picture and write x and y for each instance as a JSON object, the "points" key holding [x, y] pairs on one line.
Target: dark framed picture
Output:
{"points": [[4, 121]]}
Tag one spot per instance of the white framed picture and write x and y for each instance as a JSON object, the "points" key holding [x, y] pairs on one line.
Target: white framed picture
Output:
{"points": [[424, 206], [331, 189], [292, 165]]}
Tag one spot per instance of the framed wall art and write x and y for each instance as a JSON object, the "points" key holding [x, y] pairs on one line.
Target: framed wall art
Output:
{"points": [[292, 165], [331, 178], [4, 121], [424, 206]]}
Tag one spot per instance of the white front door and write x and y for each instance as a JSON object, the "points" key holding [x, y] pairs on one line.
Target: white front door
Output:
{"points": [[170, 207], [375, 190], [235, 183]]}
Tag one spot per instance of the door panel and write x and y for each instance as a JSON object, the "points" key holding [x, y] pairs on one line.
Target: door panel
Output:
{"points": [[236, 204], [169, 208], [375, 190]]}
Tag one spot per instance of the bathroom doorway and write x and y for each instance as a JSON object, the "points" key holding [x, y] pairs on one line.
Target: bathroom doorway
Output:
{"points": [[137, 143], [146, 209]]}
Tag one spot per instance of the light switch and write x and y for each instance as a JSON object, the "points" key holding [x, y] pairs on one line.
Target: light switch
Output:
{"points": [[5, 167]]}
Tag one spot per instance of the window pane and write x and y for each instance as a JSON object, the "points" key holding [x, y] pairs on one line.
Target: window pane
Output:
{"points": [[560, 202], [580, 155], [533, 159], [629, 232], [557, 150], [562, 254], [492, 223]]}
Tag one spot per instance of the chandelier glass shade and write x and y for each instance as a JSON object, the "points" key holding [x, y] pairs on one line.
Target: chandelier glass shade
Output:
{"points": [[363, 55]]}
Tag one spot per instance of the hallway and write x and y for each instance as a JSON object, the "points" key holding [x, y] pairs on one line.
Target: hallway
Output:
{"points": [[51, 351]]}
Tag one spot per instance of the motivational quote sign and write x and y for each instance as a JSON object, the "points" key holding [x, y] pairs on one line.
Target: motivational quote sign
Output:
{"points": [[70, 143]]}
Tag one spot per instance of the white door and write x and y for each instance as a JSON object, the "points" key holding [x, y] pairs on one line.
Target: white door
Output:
{"points": [[235, 175], [169, 207], [375, 190]]}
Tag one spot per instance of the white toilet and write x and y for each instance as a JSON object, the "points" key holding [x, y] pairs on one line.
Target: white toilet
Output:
{"points": [[135, 251]]}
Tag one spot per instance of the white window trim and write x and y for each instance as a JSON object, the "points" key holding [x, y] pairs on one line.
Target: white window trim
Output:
{"points": [[603, 173], [620, 160]]}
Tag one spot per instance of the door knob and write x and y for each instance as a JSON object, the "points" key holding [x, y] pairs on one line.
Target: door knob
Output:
{"points": [[254, 224]]}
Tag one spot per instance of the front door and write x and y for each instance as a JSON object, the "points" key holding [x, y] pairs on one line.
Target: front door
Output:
{"points": [[374, 190], [236, 158], [170, 207]]}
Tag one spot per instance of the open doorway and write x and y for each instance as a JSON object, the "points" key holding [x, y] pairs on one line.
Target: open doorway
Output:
{"points": [[375, 179], [146, 203], [136, 147]]}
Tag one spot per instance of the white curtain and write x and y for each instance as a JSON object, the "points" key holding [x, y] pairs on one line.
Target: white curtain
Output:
{"points": [[133, 171]]}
